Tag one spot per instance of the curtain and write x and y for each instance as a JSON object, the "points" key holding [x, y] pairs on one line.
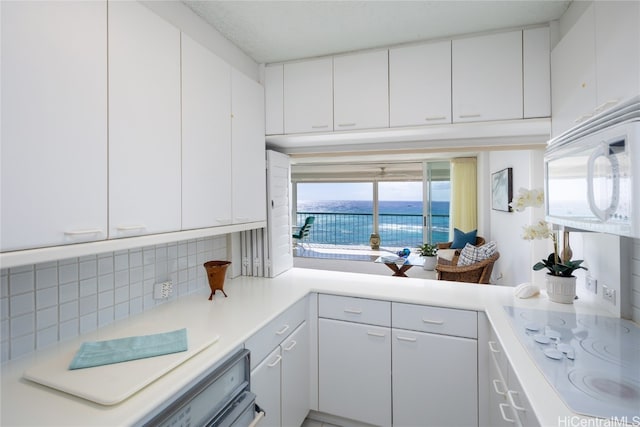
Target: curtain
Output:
{"points": [[463, 208]]}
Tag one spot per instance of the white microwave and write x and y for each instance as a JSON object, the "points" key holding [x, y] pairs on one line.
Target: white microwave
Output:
{"points": [[592, 174]]}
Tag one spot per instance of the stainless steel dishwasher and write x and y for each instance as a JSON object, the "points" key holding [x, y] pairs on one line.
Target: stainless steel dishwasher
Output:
{"points": [[222, 399]]}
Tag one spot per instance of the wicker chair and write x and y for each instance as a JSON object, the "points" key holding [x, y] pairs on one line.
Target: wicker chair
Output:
{"points": [[480, 272], [447, 246]]}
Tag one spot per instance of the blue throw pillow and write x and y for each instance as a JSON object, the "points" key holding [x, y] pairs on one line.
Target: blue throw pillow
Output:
{"points": [[460, 239]]}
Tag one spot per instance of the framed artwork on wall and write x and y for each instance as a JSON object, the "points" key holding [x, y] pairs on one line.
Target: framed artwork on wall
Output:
{"points": [[502, 190]]}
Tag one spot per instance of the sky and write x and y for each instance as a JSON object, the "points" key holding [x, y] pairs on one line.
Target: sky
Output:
{"points": [[402, 191]]}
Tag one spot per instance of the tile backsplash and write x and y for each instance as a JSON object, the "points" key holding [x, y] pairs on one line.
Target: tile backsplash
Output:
{"points": [[45, 303], [635, 281]]}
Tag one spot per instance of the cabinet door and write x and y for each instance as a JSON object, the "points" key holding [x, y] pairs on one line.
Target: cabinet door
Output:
{"points": [[248, 165], [573, 75], [354, 371], [206, 137], [519, 402], [144, 122], [274, 99], [487, 77], [435, 380], [536, 72], [501, 414], [361, 91], [617, 51], [420, 84], [54, 123], [295, 377], [308, 96], [265, 383]]}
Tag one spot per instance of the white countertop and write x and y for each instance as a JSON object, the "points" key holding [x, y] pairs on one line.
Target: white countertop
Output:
{"points": [[251, 304]]}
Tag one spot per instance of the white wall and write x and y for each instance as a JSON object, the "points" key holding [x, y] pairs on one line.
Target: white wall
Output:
{"points": [[635, 281], [517, 255]]}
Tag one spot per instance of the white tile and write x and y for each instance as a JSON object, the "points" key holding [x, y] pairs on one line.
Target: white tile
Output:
{"points": [[105, 299], [68, 273], [135, 258], [135, 306], [183, 262], [46, 298], [121, 262], [4, 284], [88, 305], [172, 250], [22, 325], [4, 329], [135, 290], [201, 246], [67, 261], [147, 287], [69, 329], [121, 295], [88, 323], [21, 304], [192, 247], [183, 249], [21, 269], [192, 260], [105, 283], [88, 287], [105, 317], [88, 269], [47, 337], [105, 264], [68, 292], [20, 282], [46, 318], [161, 252], [148, 255], [46, 277], [4, 351], [121, 278], [149, 272], [136, 274], [22, 345], [4, 308], [121, 311], [69, 310]]}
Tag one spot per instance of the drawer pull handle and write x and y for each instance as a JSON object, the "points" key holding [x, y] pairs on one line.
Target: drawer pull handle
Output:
{"points": [[293, 344], [504, 416], [81, 232], [430, 119], [582, 118], [510, 394], [408, 339], [275, 362], [131, 227], [606, 105], [259, 416], [495, 387], [342, 125], [352, 311], [492, 347], [469, 116], [319, 126], [284, 329], [433, 322], [376, 334]]}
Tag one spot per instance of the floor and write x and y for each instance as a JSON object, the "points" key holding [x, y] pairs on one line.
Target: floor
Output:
{"points": [[314, 423], [350, 259]]}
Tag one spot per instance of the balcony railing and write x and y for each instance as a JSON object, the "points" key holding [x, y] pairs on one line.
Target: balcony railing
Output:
{"points": [[396, 230]]}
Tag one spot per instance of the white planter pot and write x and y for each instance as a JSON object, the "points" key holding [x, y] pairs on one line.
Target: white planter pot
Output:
{"points": [[429, 263], [561, 289]]}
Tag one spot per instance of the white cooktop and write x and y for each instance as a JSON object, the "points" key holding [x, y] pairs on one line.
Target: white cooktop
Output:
{"points": [[592, 361]]}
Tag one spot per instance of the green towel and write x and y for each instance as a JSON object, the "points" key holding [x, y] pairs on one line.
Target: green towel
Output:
{"points": [[97, 353]]}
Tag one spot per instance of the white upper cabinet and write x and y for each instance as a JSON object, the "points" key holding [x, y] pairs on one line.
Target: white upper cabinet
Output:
{"points": [[144, 122], [361, 91], [617, 52], [248, 165], [487, 77], [308, 96], [274, 99], [536, 72], [54, 123], [420, 84], [206, 137]]}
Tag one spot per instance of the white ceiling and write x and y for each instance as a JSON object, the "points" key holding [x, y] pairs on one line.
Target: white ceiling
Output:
{"points": [[276, 31]]}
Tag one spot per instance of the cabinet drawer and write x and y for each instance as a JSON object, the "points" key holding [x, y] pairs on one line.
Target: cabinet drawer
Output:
{"points": [[448, 321], [266, 339], [360, 310]]}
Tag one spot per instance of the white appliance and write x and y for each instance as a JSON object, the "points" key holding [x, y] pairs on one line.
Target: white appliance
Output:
{"points": [[592, 173], [592, 361]]}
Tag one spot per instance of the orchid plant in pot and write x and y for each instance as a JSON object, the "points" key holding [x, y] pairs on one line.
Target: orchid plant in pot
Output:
{"points": [[428, 252]]}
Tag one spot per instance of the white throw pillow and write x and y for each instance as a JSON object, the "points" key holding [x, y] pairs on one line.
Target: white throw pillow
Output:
{"points": [[471, 254]]}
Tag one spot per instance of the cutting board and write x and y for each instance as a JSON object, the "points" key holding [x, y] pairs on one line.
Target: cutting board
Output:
{"points": [[111, 384]]}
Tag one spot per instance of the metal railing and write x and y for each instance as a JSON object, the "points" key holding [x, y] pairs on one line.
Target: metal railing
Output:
{"points": [[396, 230]]}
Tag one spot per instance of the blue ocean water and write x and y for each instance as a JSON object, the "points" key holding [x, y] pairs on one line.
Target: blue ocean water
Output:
{"points": [[350, 222]]}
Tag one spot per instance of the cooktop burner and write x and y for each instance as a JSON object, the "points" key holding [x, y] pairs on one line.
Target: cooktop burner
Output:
{"points": [[592, 361]]}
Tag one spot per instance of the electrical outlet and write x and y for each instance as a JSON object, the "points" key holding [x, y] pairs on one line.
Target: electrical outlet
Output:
{"points": [[162, 290], [609, 294], [591, 284]]}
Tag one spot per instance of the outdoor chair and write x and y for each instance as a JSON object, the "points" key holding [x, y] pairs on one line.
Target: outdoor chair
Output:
{"points": [[304, 230], [480, 272]]}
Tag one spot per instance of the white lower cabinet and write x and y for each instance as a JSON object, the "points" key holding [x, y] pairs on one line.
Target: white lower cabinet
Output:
{"points": [[434, 379], [354, 371], [266, 384]]}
